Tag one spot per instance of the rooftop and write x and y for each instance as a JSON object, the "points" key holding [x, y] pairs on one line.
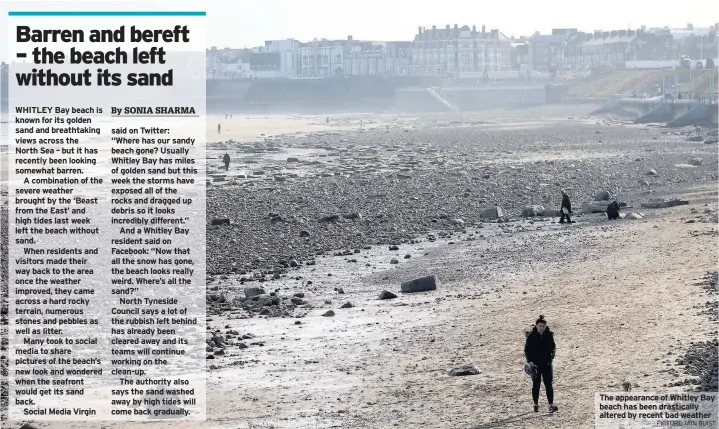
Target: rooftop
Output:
{"points": [[597, 41], [550, 38], [457, 32], [681, 33]]}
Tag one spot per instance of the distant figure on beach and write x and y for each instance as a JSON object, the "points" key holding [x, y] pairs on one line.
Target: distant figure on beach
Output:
{"points": [[613, 210], [566, 208], [225, 115], [230, 115], [327, 119], [219, 128], [539, 351], [226, 160]]}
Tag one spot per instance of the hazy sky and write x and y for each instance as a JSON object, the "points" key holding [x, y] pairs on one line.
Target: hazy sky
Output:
{"points": [[248, 23], [251, 22]]}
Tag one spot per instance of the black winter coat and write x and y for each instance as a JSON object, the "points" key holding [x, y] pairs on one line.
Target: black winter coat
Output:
{"points": [[540, 348], [566, 204]]}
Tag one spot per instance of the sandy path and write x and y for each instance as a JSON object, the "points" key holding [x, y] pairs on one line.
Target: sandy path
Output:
{"points": [[625, 300], [614, 314], [242, 128], [246, 128]]}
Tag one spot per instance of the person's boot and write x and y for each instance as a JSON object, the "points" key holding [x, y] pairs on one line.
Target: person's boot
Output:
{"points": [[536, 408], [553, 408]]}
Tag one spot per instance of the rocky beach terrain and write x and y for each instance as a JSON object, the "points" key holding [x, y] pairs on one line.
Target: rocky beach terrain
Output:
{"points": [[389, 185], [308, 326]]}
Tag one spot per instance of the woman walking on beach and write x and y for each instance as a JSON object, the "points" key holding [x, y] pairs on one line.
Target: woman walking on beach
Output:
{"points": [[226, 160], [539, 351]]}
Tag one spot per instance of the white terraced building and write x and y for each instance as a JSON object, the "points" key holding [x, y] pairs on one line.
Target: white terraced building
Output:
{"points": [[459, 51]]}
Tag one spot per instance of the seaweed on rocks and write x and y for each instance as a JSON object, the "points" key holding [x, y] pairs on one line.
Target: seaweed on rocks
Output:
{"points": [[701, 361], [709, 284]]}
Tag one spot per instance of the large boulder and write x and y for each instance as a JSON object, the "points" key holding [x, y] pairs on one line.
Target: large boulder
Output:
{"points": [[532, 211], [602, 196], [385, 294], [551, 213], [463, 371], [595, 206], [633, 216], [661, 203], [253, 291], [329, 219], [494, 212], [421, 284]]}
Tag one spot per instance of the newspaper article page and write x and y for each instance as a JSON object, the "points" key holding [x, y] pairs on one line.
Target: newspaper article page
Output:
{"points": [[282, 214], [106, 215]]}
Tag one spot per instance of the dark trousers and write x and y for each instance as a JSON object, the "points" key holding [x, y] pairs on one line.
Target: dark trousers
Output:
{"points": [[544, 372], [227, 165], [561, 218]]}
